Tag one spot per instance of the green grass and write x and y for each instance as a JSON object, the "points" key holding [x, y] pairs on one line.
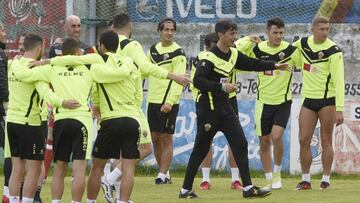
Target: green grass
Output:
{"points": [[342, 190]]}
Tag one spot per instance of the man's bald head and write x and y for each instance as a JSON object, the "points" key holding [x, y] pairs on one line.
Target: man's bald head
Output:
{"points": [[73, 26]]}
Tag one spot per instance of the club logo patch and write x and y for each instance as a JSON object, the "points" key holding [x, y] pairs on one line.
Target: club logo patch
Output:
{"points": [[321, 55], [281, 55], [207, 127]]}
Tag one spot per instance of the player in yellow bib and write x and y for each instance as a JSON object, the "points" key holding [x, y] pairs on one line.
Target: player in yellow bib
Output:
{"points": [[322, 97], [273, 102]]}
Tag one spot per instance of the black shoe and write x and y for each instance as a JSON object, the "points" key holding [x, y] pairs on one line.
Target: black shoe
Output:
{"points": [[159, 181], [256, 192], [188, 195], [324, 185], [303, 185], [37, 200]]}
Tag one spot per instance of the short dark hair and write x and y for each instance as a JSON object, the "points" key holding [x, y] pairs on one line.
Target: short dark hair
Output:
{"points": [[160, 26], [70, 46], [225, 24], [210, 38], [277, 21], [120, 21], [110, 40], [31, 41]]}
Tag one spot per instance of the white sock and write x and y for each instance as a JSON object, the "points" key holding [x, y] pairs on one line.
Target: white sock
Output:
{"points": [[55, 201], [72, 201], [277, 169], [14, 199], [268, 176], [306, 177], [206, 174], [247, 188], [6, 191], [113, 177], [107, 168], [168, 174], [90, 200], [162, 176], [120, 201], [27, 200], [183, 191], [326, 178], [234, 174], [117, 190]]}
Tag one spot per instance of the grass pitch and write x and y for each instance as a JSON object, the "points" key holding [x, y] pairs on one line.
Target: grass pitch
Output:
{"points": [[341, 190]]}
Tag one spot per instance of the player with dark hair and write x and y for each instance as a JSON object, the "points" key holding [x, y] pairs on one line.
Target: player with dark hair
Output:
{"points": [[213, 108], [163, 96], [273, 103]]}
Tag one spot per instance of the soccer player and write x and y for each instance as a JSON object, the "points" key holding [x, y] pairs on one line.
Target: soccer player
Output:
{"points": [[213, 108], [24, 141], [210, 42], [164, 96], [80, 135], [72, 28], [4, 98], [273, 103], [323, 97], [119, 110], [127, 47]]}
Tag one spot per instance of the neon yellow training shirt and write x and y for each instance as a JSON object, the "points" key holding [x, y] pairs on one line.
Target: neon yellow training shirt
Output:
{"points": [[24, 97], [323, 70], [116, 95], [274, 86], [134, 50], [171, 58]]}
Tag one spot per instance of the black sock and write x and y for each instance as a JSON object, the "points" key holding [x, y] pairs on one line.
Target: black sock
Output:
{"points": [[21, 189], [37, 194], [7, 171]]}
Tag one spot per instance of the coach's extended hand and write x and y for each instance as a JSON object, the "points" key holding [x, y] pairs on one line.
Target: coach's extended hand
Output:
{"points": [[180, 79], [283, 66], [70, 104]]}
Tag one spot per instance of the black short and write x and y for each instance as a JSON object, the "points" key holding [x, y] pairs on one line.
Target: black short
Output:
{"points": [[269, 115], [44, 129], [2, 132], [70, 137], [317, 104], [160, 121], [26, 142], [118, 135], [233, 102]]}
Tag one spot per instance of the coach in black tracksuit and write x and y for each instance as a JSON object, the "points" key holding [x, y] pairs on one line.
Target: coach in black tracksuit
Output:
{"points": [[213, 108]]}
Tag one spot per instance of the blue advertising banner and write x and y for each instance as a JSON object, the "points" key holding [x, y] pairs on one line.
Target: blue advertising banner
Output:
{"points": [[243, 11], [185, 132]]}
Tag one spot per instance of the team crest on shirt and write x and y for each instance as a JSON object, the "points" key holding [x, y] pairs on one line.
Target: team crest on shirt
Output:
{"points": [[281, 55], [145, 133], [166, 56], [321, 55], [207, 127]]}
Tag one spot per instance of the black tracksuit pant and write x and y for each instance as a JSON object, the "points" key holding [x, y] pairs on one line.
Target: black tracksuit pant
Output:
{"points": [[208, 124]]}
